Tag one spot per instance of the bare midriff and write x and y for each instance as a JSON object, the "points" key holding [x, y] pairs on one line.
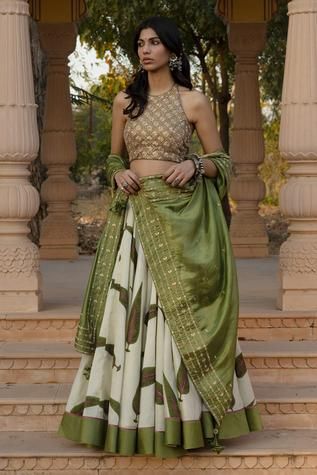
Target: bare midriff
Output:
{"points": [[150, 167]]}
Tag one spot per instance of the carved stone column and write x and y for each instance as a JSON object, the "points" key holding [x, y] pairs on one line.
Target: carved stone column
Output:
{"points": [[58, 233], [298, 144], [19, 201], [248, 233]]}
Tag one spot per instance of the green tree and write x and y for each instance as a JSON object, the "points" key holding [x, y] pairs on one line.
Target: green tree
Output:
{"points": [[37, 169], [273, 58], [92, 121], [273, 169], [92, 124]]}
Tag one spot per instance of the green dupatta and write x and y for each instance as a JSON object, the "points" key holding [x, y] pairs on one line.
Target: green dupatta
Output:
{"points": [[186, 243]]}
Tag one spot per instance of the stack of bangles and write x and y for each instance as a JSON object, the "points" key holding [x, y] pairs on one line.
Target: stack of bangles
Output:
{"points": [[199, 165]]}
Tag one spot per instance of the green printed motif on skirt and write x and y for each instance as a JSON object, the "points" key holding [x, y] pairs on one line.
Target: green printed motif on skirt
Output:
{"points": [[182, 380], [134, 322]]}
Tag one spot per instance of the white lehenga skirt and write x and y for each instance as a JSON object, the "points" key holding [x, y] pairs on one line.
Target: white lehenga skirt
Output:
{"points": [[134, 395]]}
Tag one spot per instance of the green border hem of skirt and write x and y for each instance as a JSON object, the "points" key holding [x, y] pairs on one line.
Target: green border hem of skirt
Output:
{"points": [[179, 436]]}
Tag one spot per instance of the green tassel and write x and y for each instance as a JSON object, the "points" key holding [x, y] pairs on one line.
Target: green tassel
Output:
{"points": [[214, 443]]}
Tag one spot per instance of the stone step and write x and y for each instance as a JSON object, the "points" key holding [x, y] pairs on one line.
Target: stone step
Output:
{"points": [[61, 324], [261, 453], [287, 406], [32, 407], [39, 407], [37, 362], [50, 362], [281, 361], [45, 326], [277, 325]]}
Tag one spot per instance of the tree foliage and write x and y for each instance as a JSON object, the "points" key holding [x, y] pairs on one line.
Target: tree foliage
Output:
{"points": [[273, 58], [92, 145], [274, 167], [273, 170], [37, 169], [92, 122]]}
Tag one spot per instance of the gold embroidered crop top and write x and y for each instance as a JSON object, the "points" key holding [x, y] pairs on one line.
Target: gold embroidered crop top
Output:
{"points": [[162, 132]]}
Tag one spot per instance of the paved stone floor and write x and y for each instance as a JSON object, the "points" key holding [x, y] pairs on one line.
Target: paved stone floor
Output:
{"points": [[64, 283]]}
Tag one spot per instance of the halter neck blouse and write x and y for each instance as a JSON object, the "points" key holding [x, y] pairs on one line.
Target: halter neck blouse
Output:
{"points": [[162, 132]]}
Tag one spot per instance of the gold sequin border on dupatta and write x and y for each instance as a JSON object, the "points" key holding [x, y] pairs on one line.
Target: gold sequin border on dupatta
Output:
{"points": [[100, 277]]}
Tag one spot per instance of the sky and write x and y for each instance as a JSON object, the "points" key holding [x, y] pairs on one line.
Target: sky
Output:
{"points": [[83, 62]]}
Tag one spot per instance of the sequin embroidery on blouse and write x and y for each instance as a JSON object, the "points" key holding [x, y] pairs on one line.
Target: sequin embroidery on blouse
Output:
{"points": [[162, 132]]}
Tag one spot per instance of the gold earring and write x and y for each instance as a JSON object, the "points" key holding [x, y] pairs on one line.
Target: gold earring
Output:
{"points": [[175, 62]]}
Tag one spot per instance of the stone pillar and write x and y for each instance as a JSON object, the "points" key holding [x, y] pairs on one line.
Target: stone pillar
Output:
{"points": [[248, 233], [19, 201], [298, 144], [58, 150]]}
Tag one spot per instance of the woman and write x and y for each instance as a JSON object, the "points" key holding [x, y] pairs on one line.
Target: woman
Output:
{"points": [[162, 371]]}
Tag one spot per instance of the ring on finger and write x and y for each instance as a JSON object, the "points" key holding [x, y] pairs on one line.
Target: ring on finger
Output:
{"points": [[125, 185]]}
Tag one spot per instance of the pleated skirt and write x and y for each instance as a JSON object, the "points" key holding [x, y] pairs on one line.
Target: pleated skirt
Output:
{"points": [[134, 395]]}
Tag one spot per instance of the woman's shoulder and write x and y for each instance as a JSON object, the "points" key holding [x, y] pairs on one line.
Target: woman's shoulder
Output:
{"points": [[196, 97], [194, 100], [121, 99]]}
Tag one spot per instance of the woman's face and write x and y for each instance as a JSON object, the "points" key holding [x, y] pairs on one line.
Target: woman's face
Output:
{"points": [[151, 51]]}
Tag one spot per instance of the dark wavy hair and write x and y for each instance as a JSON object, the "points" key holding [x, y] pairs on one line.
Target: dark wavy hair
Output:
{"points": [[169, 35]]}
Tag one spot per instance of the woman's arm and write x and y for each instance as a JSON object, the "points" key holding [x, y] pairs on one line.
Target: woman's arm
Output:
{"points": [[204, 121], [199, 112], [118, 124], [125, 179]]}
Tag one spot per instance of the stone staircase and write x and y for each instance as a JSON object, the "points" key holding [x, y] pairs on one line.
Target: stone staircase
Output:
{"points": [[38, 363]]}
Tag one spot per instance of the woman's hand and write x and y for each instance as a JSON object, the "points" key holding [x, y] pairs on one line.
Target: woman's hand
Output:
{"points": [[127, 181], [180, 173]]}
